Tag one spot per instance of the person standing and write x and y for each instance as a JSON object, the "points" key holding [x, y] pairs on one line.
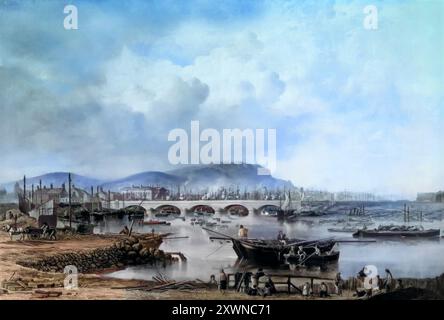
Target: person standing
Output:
{"points": [[306, 290], [260, 273], [388, 280], [323, 292], [339, 283], [223, 279], [243, 232]]}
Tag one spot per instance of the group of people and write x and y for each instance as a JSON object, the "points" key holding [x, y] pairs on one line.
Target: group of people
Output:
{"points": [[307, 289], [251, 285], [249, 281], [373, 284]]}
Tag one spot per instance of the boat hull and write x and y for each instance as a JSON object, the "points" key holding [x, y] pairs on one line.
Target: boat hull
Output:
{"points": [[270, 253], [317, 260], [397, 234]]}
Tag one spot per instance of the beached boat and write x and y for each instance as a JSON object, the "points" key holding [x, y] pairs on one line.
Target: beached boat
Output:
{"points": [[392, 231], [272, 252], [275, 252]]}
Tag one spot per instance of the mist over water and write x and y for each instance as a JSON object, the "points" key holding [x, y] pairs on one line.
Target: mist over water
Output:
{"points": [[405, 258]]}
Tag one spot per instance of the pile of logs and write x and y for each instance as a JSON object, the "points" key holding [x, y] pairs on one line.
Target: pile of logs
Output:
{"points": [[165, 284], [20, 284]]}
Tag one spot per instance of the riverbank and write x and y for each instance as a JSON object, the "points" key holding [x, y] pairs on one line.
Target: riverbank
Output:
{"points": [[92, 286]]}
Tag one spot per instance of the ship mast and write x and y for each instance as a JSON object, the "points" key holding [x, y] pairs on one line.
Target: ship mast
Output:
{"points": [[69, 200]]}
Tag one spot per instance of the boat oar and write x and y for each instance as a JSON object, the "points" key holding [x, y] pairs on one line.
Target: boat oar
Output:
{"points": [[219, 233], [171, 238]]}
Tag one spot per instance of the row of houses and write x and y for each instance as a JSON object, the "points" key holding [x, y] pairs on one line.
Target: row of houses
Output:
{"points": [[60, 194]]}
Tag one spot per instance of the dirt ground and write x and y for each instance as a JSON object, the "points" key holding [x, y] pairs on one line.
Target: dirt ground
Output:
{"points": [[92, 286]]}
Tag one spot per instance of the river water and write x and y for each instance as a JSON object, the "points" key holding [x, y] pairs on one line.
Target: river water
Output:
{"points": [[405, 258]]}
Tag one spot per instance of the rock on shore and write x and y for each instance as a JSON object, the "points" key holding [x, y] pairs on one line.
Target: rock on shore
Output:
{"points": [[129, 251]]}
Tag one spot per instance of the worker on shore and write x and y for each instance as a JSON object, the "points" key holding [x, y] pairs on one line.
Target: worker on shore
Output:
{"points": [[388, 280], [247, 281], [260, 273], [243, 232], [269, 287], [306, 290], [339, 283], [323, 291], [223, 280], [213, 280]]}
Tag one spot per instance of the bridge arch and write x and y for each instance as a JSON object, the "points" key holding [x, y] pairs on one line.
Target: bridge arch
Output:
{"points": [[168, 208], [202, 208], [237, 209], [135, 208], [267, 210]]}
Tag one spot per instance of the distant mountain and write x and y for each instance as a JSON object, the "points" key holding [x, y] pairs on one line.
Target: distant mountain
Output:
{"points": [[56, 179], [196, 177], [150, 178]]}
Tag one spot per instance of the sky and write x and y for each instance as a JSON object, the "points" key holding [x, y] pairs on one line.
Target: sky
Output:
{"points": [[354, 108]]}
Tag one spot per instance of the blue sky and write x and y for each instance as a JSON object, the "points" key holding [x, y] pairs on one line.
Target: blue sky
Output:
{"points": [[354, 109]]}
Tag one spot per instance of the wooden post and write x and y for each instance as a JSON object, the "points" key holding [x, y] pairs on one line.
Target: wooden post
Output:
{"points": [[69, 200], [289, 284], [311, 285], [24, 195], [41, 197]]}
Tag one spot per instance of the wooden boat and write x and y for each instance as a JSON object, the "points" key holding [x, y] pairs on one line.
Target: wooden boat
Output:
{"points": [[274, 252], [429, 233], [156, 222]]}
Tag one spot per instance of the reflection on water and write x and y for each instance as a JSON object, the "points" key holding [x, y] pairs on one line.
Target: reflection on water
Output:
{"points": [[408, 258]]}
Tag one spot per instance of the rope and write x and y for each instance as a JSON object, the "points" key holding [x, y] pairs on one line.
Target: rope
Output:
{"points": [[215, 250]]}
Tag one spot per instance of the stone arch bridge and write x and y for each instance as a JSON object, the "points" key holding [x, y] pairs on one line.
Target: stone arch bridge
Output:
{"points": [[219, 206]]}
